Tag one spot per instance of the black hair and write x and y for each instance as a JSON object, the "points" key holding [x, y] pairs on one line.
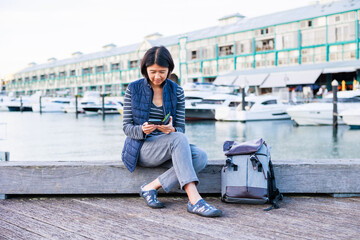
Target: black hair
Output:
{"points": [[156, 55], [173, 77]]}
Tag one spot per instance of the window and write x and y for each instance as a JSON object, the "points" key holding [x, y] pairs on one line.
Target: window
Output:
{"points": [[34, 78], [209, 79], [115, 66], [287, 40], [244, 47], [62, 74], [52, 75], [72, 72], [134, 64], [341, 32], [87, 70], [208, 52], [209, 67], [226, 50], [27, 79], [244, 62], [194, 68], [264, 45], [288, 58], [43, 77], [19, 79], [307, 55], [234, 104], [269, 102], [226, 65], [314, 36], [194, 55], [265, 60], [100, 69]]}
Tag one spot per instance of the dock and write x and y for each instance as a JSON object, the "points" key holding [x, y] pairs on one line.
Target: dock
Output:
{"points": [[333, 176], [127, 217], [99, 200]]}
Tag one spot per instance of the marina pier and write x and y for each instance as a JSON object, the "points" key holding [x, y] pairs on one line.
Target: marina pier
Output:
{"points": [[104, 216], [312, 176]]}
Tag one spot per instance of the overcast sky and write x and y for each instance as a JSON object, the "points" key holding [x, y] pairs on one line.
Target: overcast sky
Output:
{"points": [[35, 30]]}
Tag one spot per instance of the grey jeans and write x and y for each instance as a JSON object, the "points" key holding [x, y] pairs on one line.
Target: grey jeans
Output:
{"points": [[186, 159]]}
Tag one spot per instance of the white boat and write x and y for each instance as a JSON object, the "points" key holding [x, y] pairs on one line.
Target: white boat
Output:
{"points": [[22, 104], [91, 98], [192, 97], [256, 108], [110, 107], [351, 117], [205, 109], [50, 104], [321, 113], [4, 102]]}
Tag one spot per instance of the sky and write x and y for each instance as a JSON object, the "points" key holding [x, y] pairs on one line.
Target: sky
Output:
{"points": [[36, 30]]}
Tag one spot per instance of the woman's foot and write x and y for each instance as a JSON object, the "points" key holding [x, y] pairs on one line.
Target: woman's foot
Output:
{"points": [[203, 209], [150, 197]]}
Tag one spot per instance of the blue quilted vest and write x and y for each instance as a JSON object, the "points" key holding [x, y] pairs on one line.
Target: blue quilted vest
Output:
{"points": [[141, 98]]}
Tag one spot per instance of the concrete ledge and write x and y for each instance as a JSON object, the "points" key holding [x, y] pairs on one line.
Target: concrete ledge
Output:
{"points": [[325, 176]]}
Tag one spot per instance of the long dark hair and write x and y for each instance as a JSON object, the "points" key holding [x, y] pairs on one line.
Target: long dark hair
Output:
{"points": [[157, 55]]}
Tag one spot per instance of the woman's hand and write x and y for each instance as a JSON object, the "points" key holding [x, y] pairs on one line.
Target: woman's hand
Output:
{"points": [[148, 128], [167, 128]]}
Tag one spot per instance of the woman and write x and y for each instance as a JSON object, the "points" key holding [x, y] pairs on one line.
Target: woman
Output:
{"points": [[151, 145]]}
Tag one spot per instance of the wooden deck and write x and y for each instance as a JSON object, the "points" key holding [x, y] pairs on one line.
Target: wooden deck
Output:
{"points": [[119, 217]]}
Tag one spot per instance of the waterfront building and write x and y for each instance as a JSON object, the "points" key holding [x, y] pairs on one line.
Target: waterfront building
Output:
{"points": [[321, 40]]}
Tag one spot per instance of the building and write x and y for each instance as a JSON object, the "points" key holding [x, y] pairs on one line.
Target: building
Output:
{"points": [[321, 36]]}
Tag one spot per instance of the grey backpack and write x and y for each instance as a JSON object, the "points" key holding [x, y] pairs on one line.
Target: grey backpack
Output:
{"points": [[248, 175]]}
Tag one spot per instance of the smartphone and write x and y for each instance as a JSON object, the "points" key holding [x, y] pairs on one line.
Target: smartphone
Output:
{"points": [[155, 121], [165, 121]]}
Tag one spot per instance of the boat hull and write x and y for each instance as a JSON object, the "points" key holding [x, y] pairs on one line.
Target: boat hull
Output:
{"points": [[199, 114], [351, 117], [317, 114], [228, 114], [19, 109]]}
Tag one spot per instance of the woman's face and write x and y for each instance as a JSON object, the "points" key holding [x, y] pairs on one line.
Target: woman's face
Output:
{"points": [[157, 74]]}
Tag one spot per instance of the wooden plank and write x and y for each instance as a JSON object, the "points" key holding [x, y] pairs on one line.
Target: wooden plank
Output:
{"points": [[320, 176], [32, 224], [129, 218], [9, 231]]}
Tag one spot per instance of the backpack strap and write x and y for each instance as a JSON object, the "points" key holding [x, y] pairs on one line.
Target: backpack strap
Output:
{"points": [[229, 163], [275, 203], [274, 194]]}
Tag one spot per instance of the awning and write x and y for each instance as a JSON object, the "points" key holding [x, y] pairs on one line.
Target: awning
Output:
{"points": [[225, 80], [251, 79], [340, 69], [283, 79], [275, 80], [302, 77]]}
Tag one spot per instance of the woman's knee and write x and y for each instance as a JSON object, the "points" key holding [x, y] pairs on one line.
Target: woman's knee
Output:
{"points": [[179, 138], [200, 158]]}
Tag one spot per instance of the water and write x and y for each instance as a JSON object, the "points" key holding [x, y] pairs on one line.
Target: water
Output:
{"points": [[60, 137]]}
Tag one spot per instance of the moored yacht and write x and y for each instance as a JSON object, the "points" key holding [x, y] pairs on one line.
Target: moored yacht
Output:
{"points": [[110, 107], [256, 108], [205, 109], [50, 104], [321, 113], [22, 104], [351, 117]]}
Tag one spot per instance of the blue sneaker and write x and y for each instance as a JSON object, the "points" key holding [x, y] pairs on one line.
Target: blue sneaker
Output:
{"points": [[203, 209], [151, 198]]}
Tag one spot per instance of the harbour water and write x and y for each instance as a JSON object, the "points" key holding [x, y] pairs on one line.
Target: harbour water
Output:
{"points": [[60, 137]]}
